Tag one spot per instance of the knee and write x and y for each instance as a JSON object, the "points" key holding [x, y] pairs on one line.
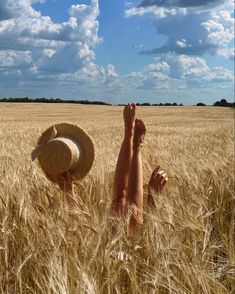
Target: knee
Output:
{"points": [[121, 198]]}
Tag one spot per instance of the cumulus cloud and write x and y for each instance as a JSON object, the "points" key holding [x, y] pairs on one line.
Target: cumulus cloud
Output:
{"points": [[110, 74], [182, 70], [39, 54], [191, 27], [9, 59], [30, 40], [196, 69], [185, 34], [220, 32], [182, 43]]}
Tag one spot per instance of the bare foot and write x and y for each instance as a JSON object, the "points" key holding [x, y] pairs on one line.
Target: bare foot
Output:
{"points": [[129, 117], [157, 182], [139, 133]]}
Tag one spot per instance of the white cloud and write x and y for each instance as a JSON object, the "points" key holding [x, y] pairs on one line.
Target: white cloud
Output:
{"points": [[220, 30], [157, 67], [186, 70], [227, 53], [182, 43], [159, 12], [111, 72], [182, 66], [219, 74], [191, 27], [15, 59], [53, 47], [34, 49]]}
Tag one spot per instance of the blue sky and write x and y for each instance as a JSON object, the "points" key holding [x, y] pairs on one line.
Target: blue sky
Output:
{"points": [[118, 51]]}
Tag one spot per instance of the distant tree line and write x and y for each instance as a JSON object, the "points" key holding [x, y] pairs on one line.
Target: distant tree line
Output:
{"points": [[222, 102], [156, 104], [51, 100]]}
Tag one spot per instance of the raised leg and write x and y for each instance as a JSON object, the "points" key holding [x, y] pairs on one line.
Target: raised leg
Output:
{"points": [[123, 164], [135, 184]]}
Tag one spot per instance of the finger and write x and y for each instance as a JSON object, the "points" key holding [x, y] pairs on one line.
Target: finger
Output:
{"points": [[162, 180], [156, 170], [163, 175], [153, 175], [162, 184], [157, 167], [158, 176]]}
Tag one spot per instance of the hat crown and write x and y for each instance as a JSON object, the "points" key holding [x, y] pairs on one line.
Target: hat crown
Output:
{"points": [[59, 155]]}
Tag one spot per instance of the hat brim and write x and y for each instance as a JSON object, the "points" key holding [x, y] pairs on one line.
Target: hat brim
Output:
{"points": [[87, 149]]}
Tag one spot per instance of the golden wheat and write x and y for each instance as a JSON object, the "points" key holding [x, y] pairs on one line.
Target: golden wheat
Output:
{"points": [[187, 242]]}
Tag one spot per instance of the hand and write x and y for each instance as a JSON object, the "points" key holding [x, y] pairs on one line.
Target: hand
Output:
{"points": [[157, 180], [65, 182]]}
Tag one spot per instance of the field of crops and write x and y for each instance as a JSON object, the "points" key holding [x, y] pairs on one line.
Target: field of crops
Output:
{"points": [[186, 245]]}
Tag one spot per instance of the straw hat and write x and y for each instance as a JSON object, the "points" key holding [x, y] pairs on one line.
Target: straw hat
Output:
{"points": [[65, 147]]}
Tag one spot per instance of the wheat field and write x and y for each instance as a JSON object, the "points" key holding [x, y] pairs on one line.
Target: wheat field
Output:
{"points": [[186, 244]]}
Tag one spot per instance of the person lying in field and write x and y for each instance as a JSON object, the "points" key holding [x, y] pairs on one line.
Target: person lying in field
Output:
{"points": [[128, 179]]}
